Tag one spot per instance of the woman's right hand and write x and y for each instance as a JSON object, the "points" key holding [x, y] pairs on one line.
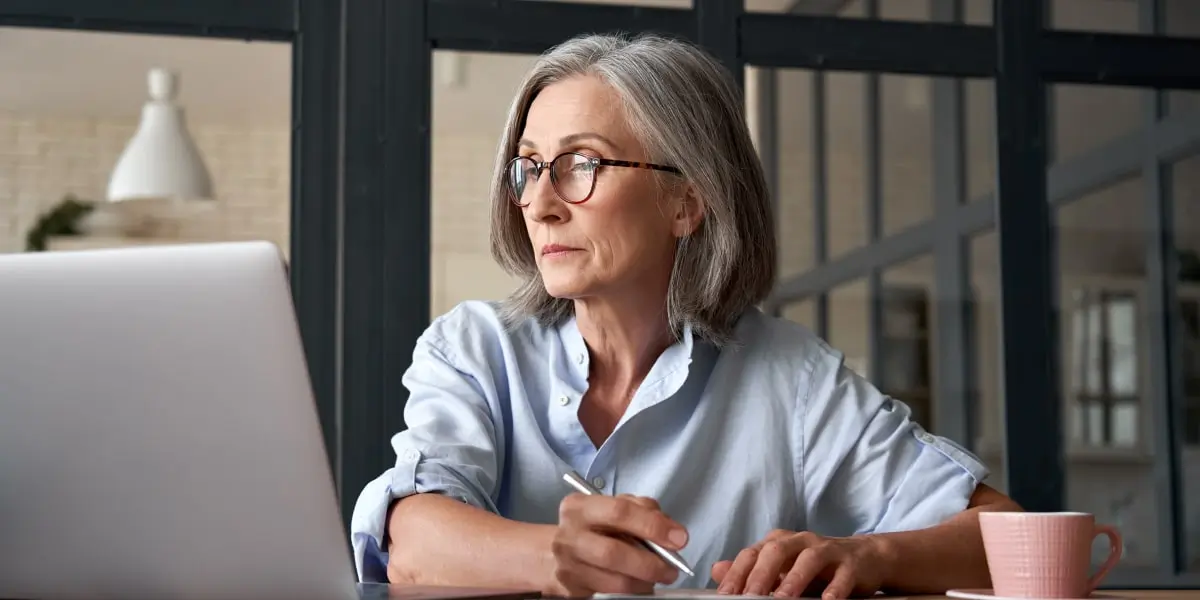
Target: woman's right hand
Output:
{"points": [[596, 548]]}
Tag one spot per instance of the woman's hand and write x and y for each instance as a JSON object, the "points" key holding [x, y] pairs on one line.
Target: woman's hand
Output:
{"points": [[793, 564], [595, 549]]}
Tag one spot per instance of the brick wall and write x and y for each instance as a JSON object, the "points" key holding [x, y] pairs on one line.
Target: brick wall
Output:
{"points": [[461, 263], [44, 158]]}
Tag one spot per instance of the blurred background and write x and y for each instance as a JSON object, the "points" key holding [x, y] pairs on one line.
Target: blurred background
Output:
{"points": [[360, 138]]}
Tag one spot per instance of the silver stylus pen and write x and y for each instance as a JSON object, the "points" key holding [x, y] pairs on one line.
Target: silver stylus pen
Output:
{"points": [[675, 559]]}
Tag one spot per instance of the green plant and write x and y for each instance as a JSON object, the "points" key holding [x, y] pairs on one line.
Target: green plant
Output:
{"points": [[62, 219]]}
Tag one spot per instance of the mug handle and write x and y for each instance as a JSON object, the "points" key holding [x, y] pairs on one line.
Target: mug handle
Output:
{"points": [[1114, 554]]}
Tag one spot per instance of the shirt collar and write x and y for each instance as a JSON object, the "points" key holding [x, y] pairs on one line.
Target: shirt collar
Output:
{"points": [[665, 377]]}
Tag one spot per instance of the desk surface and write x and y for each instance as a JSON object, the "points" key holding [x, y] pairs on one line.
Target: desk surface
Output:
{"points": [[1122, 594], [1101, 595], [401, 592]]}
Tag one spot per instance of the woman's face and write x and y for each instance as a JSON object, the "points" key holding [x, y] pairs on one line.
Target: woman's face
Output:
{"points": [[623, 237]]}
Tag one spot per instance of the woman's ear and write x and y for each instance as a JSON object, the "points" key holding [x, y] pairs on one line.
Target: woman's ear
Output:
{"points": [[689, 213]]}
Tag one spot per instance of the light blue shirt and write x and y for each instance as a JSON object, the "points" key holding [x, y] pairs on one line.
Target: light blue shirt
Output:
{"points": [[775, 433]]}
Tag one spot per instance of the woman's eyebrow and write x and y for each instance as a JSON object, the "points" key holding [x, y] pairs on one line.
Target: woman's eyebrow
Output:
{"points": [[588, 135], [573, 138]]}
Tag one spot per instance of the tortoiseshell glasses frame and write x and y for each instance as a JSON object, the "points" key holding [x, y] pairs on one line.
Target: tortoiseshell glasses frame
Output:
{"points": [[572, 175]]}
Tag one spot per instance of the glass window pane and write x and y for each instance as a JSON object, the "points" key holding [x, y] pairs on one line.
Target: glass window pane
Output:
{"points": [[1123, 343], [1181, 18], [471, 96], [1095, 424], [1085, 360], [984, 358], [1101, 266], [1185, 184], [905, 10], [854, 9], [977, 12], [980, 110], [1101, 261], [641, 3], [775, 6], [794, 178], [1184, 177], [803, 312], [1114, 16], [906, 337], [848, 325], [1125, 424], [906, 155], [1085, 117], [1104, 342], [805, 7], [845, 107], [67, 116], [1077, 423]]}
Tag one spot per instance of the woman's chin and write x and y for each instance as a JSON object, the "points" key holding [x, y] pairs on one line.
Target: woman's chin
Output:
{"points": [[566, 290], [563, 293]]}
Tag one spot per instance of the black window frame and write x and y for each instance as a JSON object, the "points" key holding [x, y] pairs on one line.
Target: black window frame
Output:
{"points": [[314, 30]]}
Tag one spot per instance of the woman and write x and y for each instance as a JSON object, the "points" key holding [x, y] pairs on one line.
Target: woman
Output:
{"points": [[629, 198]]}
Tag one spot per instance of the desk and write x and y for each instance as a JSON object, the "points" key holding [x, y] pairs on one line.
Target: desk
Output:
{"points": [[1124, 594], [403, 592]]}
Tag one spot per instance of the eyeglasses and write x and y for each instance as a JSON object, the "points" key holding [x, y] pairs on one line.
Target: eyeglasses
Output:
{"points": [[573, 175]]}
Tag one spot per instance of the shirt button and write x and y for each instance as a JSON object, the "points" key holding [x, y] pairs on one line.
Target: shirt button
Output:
{"points": [[582, 357], [598, 482], [411, 455], [927, 438], [564, 401]]}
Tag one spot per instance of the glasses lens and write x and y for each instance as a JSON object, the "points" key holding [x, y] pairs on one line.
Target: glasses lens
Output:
{"points": [[520, 176], [573, 175]]}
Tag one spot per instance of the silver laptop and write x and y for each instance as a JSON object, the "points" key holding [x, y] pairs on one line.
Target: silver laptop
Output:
{"points": [[158, 435]]}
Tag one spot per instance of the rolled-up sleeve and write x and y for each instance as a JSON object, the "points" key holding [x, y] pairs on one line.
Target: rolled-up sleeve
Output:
{"points": [[450, 447], [868, 467]]}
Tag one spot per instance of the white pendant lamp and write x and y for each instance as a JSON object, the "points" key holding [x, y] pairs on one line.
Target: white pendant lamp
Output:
{"points": [[161, 161]]}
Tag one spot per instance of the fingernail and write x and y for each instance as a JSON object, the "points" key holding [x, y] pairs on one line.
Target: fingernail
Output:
{"points": [[678, 537]]}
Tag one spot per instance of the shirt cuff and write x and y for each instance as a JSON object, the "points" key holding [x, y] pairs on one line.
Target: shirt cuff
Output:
{"points": [[367, 526], [413, 474], [936, 486]]}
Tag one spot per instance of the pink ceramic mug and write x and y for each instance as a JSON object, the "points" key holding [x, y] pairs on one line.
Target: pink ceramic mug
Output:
{"points": [[1045, 555]]}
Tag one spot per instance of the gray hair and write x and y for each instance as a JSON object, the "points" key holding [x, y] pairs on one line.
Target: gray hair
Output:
{"points": [[688, 113]]}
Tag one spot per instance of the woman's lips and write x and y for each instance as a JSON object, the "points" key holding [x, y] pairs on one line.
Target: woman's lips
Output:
{"points": [[553, 250]]}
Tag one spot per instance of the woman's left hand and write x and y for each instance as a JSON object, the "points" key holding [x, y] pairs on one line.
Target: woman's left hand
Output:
{"points": [[794, 564]]}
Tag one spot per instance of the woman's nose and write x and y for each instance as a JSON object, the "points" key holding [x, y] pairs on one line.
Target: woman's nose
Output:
{"points": [[544, 203]]}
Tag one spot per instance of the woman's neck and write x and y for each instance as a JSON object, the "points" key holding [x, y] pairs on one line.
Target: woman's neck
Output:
{"points": [[625, 336]]}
